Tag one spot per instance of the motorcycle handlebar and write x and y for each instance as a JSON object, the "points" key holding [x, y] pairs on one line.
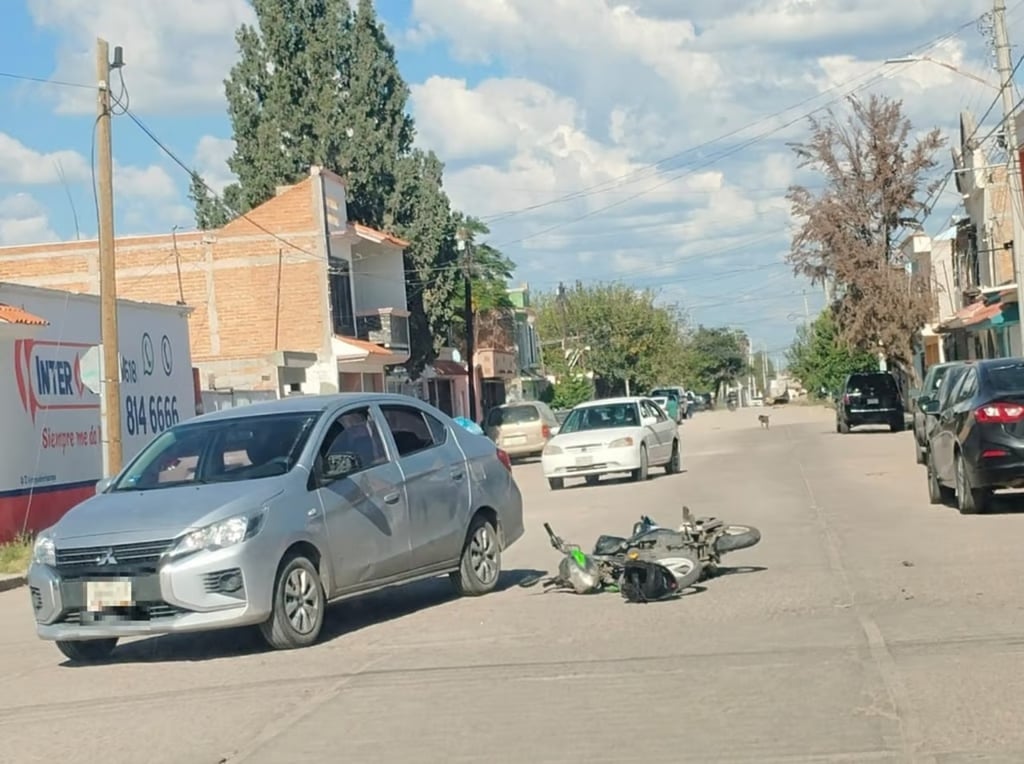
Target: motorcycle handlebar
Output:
{"points": [[556, 542]]}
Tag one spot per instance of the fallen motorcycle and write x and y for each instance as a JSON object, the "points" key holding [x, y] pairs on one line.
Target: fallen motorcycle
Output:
{"points": [[708, 537], [659, 569]]}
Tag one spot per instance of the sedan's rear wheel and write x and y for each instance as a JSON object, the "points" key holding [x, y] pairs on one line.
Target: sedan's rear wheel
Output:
{"points": [[969, 500], [675, 464], [480, 565]]}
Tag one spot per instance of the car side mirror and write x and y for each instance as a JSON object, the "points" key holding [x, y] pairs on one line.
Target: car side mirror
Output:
{"points": [[338, 465], [103, 485], [554, 429], [929, 406]]}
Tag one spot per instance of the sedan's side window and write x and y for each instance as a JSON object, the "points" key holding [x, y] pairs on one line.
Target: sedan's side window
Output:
{"points": [[352, 444], [968, 387], [411, 431], [656, 411]]}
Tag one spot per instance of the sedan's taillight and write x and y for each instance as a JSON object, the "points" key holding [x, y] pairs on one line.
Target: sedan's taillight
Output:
{"points": [[999, 413], [545, 432], [505, 459]]}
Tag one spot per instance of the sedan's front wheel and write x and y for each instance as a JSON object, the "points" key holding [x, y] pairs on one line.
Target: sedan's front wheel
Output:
{"points": [[299, 604], [87, 650], [641, 473]]}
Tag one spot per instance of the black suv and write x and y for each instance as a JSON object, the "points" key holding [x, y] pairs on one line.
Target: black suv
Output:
{"points": [[871, 397]]}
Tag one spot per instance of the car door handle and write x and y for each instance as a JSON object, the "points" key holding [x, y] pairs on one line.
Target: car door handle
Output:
{"points": [[392, 498], [457, 474], [312, 512]]}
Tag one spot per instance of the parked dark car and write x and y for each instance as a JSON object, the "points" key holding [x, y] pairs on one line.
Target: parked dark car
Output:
{"points": [[869, 398], [977, 445], [930, 389]]}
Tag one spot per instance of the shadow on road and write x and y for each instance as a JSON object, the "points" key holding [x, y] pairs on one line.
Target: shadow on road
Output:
{"points": [[341, 618]]}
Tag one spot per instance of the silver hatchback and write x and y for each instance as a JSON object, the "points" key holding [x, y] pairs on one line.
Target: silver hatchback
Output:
{"points": [[262, 514]]}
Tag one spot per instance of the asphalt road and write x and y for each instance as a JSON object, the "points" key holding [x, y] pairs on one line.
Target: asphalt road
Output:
{"points": [[867, 626]]}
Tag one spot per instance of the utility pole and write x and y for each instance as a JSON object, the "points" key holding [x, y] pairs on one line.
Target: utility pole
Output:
{"points": [[1005, 68], [111, 389], [807, 310], [465, 245]]}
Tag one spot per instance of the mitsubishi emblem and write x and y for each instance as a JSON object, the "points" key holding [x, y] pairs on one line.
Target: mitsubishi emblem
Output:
{"points": [[107, 558]]}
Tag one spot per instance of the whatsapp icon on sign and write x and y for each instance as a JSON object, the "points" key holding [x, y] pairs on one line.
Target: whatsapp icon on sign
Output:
{"points": [[148, 356]]}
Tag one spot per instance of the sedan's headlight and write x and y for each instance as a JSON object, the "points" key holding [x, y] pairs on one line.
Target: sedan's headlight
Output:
{"points": [[43, 551], [621, 443], [551, 449], [221, 534]]}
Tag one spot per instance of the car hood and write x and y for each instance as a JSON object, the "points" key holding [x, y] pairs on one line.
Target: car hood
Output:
{"points": [[126, 517], [595, 437]]}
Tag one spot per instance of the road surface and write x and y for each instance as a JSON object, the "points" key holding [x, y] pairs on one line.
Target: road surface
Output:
{"points": [[868, 626]]}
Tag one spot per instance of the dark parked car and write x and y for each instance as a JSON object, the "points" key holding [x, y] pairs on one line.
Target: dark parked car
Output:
{"points": [[977, 444], [867, 398], [929, 390]]}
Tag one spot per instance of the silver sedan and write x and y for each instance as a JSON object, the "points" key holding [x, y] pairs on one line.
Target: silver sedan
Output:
{"points": [[264, 513]]}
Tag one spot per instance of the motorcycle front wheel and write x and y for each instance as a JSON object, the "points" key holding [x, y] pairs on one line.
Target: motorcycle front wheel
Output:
{"points": [[735, 537]]}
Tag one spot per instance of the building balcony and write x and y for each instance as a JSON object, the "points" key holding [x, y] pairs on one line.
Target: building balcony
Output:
{"points": [[387, 327]]}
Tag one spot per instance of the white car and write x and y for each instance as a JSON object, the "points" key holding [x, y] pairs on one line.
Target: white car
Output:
{"points": [[610, 436]]}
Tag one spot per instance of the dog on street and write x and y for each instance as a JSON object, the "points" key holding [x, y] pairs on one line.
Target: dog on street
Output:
{"points": [[763, 419]]}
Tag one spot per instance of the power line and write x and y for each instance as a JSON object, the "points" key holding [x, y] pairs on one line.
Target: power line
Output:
{"points": [[45, 81], [599, 187]]}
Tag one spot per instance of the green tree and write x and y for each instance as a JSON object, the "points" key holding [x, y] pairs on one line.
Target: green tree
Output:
{"points": [[716, 356], [821, 359], [570, 391], [211, 212], [317, 83], [620, 334]]}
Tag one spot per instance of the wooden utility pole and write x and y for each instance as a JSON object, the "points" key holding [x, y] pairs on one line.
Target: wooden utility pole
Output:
{"points": [[465, 245], [111, 390], [1005, 67]]}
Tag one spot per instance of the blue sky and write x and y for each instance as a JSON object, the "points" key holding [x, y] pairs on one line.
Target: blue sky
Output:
{"points": [[553, 117]]}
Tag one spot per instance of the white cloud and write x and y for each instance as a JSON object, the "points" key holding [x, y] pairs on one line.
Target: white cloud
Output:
{"points": [[150, 183], [211, 160], [24, 221], [176, 54], [23, 166]]}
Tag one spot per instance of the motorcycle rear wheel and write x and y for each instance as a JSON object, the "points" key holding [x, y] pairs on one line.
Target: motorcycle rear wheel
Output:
{"points": [[735, 537]]}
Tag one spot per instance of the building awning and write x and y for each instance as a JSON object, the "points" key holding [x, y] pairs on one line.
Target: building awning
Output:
{"points": [[377, 237], [349, 349], [983, 313], [448, 369], [9, 314]]}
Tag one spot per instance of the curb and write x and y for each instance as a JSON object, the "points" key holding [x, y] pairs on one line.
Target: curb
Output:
{"points": [[12, 582]]}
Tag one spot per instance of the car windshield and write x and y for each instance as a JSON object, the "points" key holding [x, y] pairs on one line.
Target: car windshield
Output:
{"points": [[1007, 379], [221, 450], [670, 394], [601, 417], [512, 415]]}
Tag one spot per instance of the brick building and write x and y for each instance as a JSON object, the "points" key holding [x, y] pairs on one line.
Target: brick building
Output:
{"points": [[289, 298]]}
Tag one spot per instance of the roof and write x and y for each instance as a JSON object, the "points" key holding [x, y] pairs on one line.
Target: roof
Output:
{"points": [[370, 347], [299, 404], [10, 314], [377, 237], [448, 368], [620, 399]]}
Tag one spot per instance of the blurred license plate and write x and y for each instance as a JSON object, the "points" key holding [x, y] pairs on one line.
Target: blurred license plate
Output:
{"points": [[872, 401], [511, 440], [584, 461], [105, 594]]}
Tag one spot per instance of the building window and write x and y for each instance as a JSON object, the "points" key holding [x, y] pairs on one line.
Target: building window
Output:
{"points": [[343, 314]]}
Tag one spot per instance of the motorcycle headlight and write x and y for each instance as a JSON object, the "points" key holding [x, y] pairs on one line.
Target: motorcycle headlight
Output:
{"points": [[621, 443], [221, 534], [43, 551]]}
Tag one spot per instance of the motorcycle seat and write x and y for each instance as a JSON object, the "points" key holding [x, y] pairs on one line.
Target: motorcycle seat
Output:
{"points": [[609, 545]]}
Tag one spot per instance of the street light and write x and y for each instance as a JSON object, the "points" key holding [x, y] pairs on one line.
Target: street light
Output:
{"points": [[944, 65]]}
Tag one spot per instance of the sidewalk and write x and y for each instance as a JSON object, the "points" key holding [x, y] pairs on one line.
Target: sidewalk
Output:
{"points": [[9, 581]]}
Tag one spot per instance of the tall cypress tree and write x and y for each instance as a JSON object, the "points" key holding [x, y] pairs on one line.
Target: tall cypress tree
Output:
{"points": [[318, 83]]}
